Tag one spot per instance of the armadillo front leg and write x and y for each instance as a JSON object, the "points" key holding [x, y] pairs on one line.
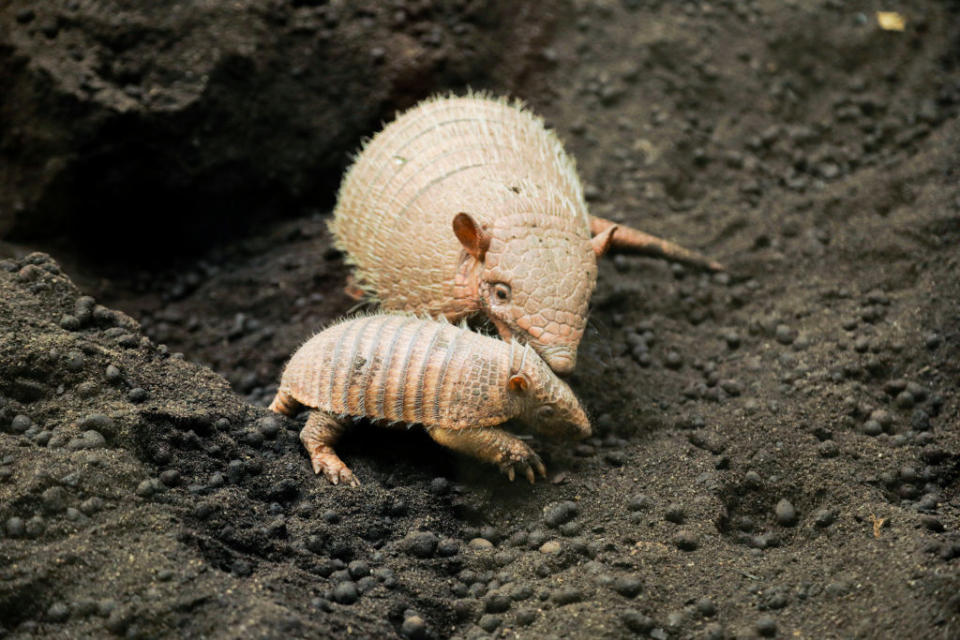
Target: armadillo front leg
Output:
{"points": [[629, 240], [495, 446], [318, 436]]}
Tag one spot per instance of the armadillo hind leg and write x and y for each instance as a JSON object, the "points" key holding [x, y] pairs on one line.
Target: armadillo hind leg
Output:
{"points": [[495, 446], [284, 403], [318, 437], [629, 240]]}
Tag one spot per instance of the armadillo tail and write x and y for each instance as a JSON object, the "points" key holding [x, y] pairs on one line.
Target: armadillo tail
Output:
{"points": [[285, 403], [630, 240]]}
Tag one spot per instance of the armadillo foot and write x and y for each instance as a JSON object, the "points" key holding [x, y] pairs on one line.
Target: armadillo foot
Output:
{"points": [[495, 446], [353, 290], [318, 437], [629, 240], [333, 468]]}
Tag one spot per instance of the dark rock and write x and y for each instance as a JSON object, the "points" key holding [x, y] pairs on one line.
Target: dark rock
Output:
{"points": [[628, 586], [932, 523], [414, 627], [54, 500], [20, 423], [421, 544], [346, 592], [686, 541], [636, 621], [674, 513], [489, 622], [496, 603], [15, 527], [824, 517], [706, 608], [766, 626], [557, 514], [567, 595]]}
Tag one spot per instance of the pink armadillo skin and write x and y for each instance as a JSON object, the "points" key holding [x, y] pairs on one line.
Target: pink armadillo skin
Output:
{"points": [[499, 164], [400, 369]]}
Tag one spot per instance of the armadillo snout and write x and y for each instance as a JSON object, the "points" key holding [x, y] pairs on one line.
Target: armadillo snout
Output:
{"points": [[561, 358]]}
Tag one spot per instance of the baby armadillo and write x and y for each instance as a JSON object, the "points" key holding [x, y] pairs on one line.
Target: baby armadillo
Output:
{"points": [[400, 369], [521, 250]]}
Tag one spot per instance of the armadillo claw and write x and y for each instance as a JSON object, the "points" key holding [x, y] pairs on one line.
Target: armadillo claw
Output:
{"points": [[334, 470], [527, 467]]}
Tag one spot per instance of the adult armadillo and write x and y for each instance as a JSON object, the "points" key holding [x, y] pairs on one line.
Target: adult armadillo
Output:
{"points": [[521, 250], [399, 369]]}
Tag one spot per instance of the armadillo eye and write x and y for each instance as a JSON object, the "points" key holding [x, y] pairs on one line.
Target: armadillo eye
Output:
{"points": [[501, 291], [546, 412]]}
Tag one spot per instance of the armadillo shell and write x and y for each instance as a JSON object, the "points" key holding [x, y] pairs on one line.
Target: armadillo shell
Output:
{"points": [[401, 368], [473, 154]]}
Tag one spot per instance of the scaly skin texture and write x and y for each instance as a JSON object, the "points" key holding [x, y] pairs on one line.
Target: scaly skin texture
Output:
{"points": [[526, 234], [399, 369]]}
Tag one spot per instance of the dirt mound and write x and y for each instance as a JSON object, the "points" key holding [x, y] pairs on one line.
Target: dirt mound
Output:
{"points": [[161, 127]]}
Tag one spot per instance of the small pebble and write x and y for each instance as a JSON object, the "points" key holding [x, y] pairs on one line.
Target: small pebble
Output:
{"points": [[752, 480], [90, 439], [146, 488], [932, 523], [54, 500], [766, 626], [636, 621], [269, 427], [69, 322], [489, 622], [20, 423], [480, 543], [872, 428], [628, 586], [526, 617], [824, 517], [15, 527], [828, 449], [448, 548], [673, 360], [706, 608], [414, 627], [786, 513], [567, 595], [560, 513], [496, 603], [686, 541], [674, 513], [550, 547], [346, 592], [35, 527], [358, 569], [439, 486], [421, 544], [785, 335], [117, 622]]}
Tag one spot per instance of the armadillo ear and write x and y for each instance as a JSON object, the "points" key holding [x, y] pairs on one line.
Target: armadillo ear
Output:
{"points": [[601, 242], [518, 383], [474, 239]]}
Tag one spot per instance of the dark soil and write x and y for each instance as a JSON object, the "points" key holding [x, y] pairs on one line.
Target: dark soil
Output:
{"points": [[777, 448]]}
